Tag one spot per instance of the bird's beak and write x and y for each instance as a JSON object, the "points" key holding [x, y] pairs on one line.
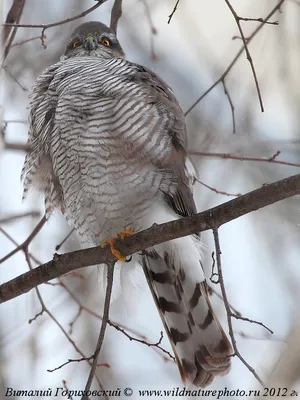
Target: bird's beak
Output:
{"points": [[90, 43]]}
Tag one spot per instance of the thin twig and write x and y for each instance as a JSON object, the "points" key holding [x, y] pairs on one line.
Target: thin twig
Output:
{"points": [[248, 55], [9, 237], [235, 310], [15, 217], [110, 274], [252, 321], [64, 21], [217, 190], [173, 12], [270, 338], [131, 338], [233, 62], [77, 360], [15, 79], [230, 104], [243, 158], [57, 247], [227, 306], [25, 244], [259, 20]]}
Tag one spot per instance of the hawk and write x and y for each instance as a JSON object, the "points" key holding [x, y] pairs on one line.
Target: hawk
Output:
{"points": [[109, 150]]}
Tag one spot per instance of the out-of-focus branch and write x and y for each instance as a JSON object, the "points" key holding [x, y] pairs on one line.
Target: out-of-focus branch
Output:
{"points": [[227, 94], [210, 219], [116, 14], [13, 17], [17, 146], [25, 244], [153, 30], [64, 21], [235, 59], [12, 218]]}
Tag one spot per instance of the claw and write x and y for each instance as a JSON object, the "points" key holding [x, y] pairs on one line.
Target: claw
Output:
{"points": [[111, 242], [128, 231]]}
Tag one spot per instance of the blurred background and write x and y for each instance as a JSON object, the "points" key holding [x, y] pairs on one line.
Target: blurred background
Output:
{"points": [[260, 251]]}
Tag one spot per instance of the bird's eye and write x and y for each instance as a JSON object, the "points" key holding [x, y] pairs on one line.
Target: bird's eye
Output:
{"points": [[76, 44], [105, 42]]}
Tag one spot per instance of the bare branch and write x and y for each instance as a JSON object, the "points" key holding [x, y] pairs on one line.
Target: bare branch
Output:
{"points": [[131, 338], [13, 18], [57, 247], [217, 190], [212, 218], [116, 14], [252, 321], [233, 62], [249, 58], [15, 217], [243, 158], [64, 21], [259, 20], [227, 306], [110, 274], [173, 12], [230, 104], [25, 245], [17, 146]]}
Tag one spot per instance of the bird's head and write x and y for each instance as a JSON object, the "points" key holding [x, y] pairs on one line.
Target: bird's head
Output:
{"points": [[94, 39]]}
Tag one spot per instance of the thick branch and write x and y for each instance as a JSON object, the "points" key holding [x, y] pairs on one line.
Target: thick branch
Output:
{"points": [[212, 218]]}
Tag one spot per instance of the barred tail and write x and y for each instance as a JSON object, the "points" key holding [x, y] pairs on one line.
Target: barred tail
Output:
{"points": [[200, 345]]}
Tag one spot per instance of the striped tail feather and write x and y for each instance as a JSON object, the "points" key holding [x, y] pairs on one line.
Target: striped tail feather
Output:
{"points": [[200, 345]]}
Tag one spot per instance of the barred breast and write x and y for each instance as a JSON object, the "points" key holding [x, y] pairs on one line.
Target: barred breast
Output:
{"points": [[104, 138]]}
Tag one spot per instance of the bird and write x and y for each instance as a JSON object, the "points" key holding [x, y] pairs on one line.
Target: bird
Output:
{"points": [[108, 148]]}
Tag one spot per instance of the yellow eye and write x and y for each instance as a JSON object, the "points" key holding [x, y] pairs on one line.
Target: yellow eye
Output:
{"points": [[105, 42], [76, 44]]}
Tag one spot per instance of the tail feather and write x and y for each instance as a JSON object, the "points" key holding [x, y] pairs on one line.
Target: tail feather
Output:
{"points": [[200, 345]]}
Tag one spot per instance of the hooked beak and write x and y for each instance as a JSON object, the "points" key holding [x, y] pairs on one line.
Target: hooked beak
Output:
{"points": [[90, 43]]}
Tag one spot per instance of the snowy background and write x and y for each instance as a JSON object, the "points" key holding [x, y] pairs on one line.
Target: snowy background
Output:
{"points": [[260, 251]]}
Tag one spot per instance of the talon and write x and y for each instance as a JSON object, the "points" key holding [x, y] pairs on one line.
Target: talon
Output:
{"points": [[128, 231], [111, 242]]}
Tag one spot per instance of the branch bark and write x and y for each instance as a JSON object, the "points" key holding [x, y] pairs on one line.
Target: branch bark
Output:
{"points": [[210, 219]]}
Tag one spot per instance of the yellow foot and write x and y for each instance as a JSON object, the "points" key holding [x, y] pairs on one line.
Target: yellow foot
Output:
{"points": [[111, 242]]}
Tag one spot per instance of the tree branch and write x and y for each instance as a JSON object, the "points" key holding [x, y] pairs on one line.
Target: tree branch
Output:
{"points": [[116, 14], [212, 218], [243, 158], [239, 53], [110, 274], [13, 17], [227, 306], [64, 21]]}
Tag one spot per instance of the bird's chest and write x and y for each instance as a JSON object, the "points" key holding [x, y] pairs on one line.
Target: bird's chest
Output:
{"points": [[104, 189]]}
